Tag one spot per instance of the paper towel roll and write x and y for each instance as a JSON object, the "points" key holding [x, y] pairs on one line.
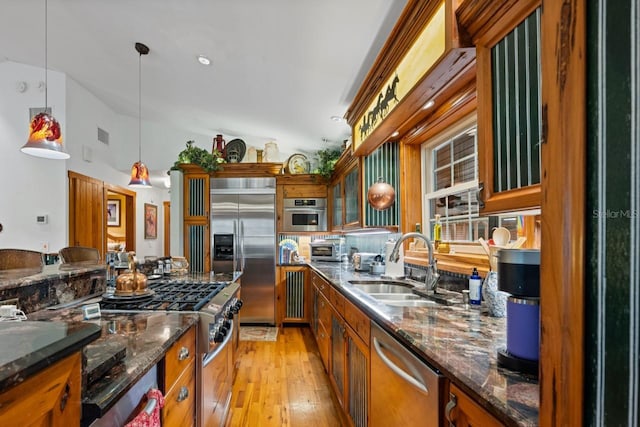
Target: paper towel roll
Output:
{"points": [[393, 269]]}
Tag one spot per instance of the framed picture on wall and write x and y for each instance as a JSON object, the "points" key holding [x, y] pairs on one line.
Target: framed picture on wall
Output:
{"points": [[113, 213], [150, 221]]}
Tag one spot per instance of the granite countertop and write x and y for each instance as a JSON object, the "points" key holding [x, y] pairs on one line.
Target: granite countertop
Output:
{"points": [[146, 336], [460, 341], [28, 347], [25, 277]]}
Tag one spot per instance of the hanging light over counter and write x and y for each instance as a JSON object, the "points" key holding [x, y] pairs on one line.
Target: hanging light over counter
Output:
{"points": [[45, 136], [139, 171]]}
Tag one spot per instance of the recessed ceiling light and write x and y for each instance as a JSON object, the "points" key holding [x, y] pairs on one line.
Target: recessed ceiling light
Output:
{"points": [[337, 119], [429, 104], [396, 133], [204, 60]]}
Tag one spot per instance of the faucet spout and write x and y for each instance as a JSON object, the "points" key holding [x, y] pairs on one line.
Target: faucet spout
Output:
{"points": [[432, 276]]}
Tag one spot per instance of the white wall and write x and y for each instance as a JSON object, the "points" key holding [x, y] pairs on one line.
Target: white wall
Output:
{"points": [[31, 186]]}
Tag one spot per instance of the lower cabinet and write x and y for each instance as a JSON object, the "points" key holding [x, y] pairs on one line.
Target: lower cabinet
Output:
{"points": [[462, 411], [179, 379], [49, 398], [293, 295]]}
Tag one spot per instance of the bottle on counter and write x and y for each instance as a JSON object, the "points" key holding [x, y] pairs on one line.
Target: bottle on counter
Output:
{"points": [[437, 232], [475, 288], [167, 266]]}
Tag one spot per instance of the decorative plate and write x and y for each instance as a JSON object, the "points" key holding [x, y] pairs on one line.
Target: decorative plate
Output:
{"points": [[235, 150], [297, 164]]}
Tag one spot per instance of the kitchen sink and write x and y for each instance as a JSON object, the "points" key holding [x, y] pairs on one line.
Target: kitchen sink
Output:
{"points": [[411, 303], [396, 296], [382, 287]]}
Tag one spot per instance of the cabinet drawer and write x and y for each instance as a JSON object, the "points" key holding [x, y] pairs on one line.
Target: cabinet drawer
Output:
{"points": [[322, 285], [324, 312], [358, 321], [179, 407], [179, 356], [337, 300]]}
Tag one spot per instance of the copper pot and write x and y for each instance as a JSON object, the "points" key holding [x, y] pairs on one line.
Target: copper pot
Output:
{"points": [[131, 282], [381, 195]]}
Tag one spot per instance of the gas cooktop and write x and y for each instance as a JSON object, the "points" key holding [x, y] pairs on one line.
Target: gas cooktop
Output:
{"points": [[168, 295]]}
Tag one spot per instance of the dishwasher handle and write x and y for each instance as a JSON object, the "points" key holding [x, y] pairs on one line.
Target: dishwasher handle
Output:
{"points": [[402, 374]]}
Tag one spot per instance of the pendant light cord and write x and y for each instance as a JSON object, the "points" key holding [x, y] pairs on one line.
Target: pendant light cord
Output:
{"points": [[140, 107], [46, 82]]}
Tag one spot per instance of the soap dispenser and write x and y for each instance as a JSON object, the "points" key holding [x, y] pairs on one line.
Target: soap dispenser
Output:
{"points": [[475, 287]]}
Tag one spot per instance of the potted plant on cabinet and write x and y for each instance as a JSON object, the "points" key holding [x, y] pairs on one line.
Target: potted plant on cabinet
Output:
{"points": [[209, 162]]}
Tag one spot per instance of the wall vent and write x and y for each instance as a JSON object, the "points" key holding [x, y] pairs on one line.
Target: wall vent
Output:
{"points": [[103, 136]]}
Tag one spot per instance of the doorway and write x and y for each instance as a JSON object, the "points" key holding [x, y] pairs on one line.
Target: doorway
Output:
{"points": [[89, 218]]}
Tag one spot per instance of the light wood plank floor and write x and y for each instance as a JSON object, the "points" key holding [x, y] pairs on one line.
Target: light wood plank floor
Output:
{"points": [[282, 383]]}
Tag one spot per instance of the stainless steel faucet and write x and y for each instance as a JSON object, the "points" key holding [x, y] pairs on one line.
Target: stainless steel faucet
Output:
{"points": [[432, 276]]}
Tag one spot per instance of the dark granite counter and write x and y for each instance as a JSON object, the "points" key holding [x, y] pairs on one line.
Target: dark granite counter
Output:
{"points": [[145, 335], [28, 347], [460, 341], [54, 284]]}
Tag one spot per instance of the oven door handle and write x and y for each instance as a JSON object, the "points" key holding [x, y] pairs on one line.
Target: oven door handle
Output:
{"points": [[208, 358]]}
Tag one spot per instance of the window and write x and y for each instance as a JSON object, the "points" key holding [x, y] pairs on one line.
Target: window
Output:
{"points": [[450, 172]]}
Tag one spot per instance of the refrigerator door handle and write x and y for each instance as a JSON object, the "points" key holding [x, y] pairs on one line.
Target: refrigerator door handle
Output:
{"points": [[236, 244], [241, 239]]}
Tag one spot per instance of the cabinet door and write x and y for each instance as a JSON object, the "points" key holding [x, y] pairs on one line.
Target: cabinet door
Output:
{"points": [[510, 114], [196, 221], [293, 295], [358, 379], [338, 356], [336, 205], [49, 398], [196, 196], [462, 411], [352, 197]]}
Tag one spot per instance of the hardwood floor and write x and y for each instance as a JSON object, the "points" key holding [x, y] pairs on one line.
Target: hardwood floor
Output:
{"points": [[282, 383]]}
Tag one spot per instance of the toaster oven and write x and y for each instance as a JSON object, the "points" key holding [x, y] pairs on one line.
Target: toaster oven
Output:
{"points": [[327, 250]]}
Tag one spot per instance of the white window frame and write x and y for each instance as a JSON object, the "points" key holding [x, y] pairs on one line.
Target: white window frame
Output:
{"points": [[427, 149]]}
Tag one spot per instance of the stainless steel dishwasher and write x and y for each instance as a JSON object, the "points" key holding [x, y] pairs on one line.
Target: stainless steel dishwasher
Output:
{"points": [[404, 390]]}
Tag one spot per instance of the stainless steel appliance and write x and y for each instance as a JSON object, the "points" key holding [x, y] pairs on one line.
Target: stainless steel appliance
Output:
{"points": [[362, 260], [304, 214], [243, 219], [404, 390], [217, 304], [327, 250]]}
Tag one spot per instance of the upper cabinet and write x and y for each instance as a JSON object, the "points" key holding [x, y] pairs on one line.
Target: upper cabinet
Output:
{"points": [[345, 195], [510, 130]]}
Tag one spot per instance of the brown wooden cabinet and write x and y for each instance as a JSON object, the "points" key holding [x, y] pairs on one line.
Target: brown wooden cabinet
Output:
{"points": [[462, 411], [293, 295], [345, 193], [510, 117], [49, 398], [197, 238], [179, 381]]}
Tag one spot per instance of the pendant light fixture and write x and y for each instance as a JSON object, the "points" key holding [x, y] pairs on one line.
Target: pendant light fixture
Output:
{"points": [[45, 137], [139, 171]]}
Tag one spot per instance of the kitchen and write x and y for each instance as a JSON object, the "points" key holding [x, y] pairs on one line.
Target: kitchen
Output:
{"points": [[580, 382]]}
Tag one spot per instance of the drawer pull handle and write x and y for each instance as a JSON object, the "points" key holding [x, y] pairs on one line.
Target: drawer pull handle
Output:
{"points": [[184, 394], [183, 354], [453, 402]]}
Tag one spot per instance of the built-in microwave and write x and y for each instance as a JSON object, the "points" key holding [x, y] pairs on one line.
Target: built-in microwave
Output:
{"points": [[304, 215]]}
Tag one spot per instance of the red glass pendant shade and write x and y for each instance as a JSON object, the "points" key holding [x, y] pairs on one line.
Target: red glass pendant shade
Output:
{"points": [[139, 175], [45, 138]]}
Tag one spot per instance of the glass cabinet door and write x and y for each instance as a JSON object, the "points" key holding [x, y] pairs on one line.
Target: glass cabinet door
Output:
{"points": [[351, 188], [336, 194]]}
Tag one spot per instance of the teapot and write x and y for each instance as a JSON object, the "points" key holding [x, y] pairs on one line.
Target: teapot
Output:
{"points": [[131, 282]]}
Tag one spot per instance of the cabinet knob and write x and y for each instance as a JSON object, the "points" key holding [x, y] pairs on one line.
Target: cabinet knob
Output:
{"points": [[65, 397], [183, 354], [184, 394], [453, 402]]}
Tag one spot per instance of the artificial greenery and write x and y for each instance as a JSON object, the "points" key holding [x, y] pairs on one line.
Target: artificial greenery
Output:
{"points": [[327, 159], [210, 162]]}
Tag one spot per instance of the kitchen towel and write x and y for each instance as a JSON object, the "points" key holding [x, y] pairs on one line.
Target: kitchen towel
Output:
{"points": [[149, 416]]}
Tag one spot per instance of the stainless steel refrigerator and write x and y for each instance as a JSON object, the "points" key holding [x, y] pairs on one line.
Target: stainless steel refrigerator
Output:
{"points": [[243, 227]]}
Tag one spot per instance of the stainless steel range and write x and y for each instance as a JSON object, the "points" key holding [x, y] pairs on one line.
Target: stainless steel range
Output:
{"points": [[217, 304]]}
